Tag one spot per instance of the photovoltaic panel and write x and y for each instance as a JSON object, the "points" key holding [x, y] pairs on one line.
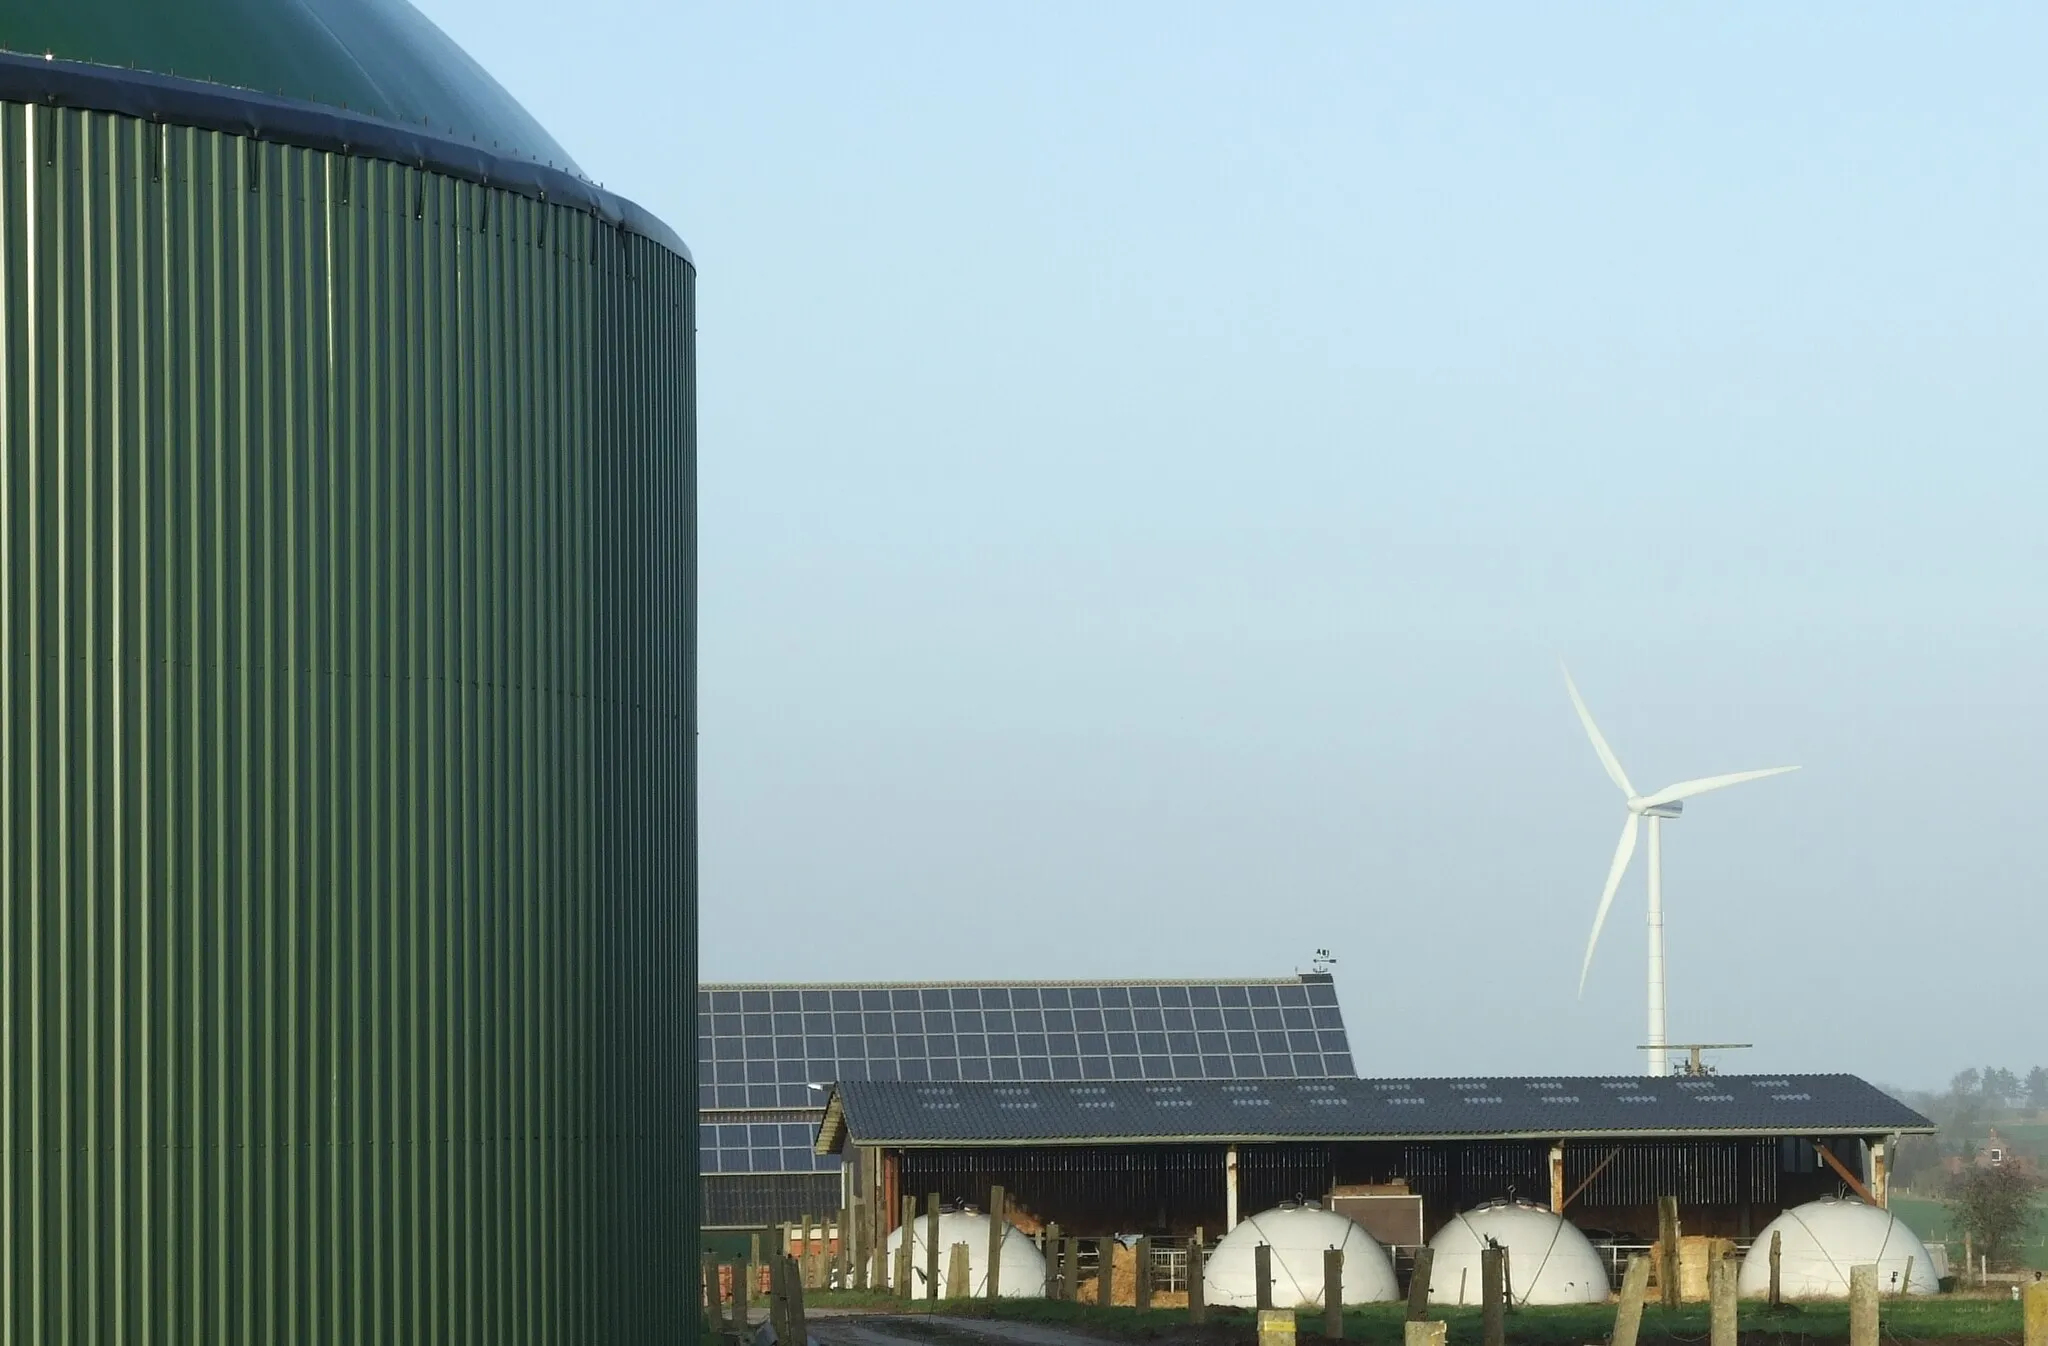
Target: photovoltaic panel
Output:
{"points": [[775, 1049]]}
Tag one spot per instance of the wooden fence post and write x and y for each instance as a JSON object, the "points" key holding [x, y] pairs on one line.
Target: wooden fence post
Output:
{"points": [[1262, 1270], [1863, 1305], [1105, 1288], [902, 1284], [778, 1298], [1198, 1310], [1667, 1250], [1418, 1284], [714, 1305], [1141, 1287], [1628, 1316], [931, 1244], [799, 1321], [958, 1261], [1777, 1282], [1333, 1294], [2036, 1314], [998, 1233], [742, 1292], [1493, 1314], [1721, 1294]]}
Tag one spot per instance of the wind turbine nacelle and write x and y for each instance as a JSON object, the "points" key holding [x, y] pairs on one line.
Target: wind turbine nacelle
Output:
{"points": [[1670, 810]]}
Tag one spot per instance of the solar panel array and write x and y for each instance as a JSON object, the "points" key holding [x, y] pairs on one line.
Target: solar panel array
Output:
{"points": [[772, 1049]]}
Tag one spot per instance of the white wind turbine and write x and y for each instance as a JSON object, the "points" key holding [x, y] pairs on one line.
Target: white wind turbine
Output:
{"points": [[1665, 803]]}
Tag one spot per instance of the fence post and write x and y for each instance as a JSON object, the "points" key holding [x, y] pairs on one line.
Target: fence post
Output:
{"points": [[1141, 1287], [902, 1285], [1333, 1294], [1198, 1310], [958, 1261], [799, 1321], [778, 1298], [1628, 1315], [1493, 1313], [998, 1233], [1105, 1281], [1418, 1284], [1863, 1305], [931, 1244], [714, 1305], [1262, 1271], [2036, 1314], [742, 1292], [1777, 1284], [1721, 1294], [1667, 1250]]}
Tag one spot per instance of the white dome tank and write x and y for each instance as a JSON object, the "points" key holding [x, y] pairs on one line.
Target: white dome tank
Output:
{"points": [[1549, 1260], [1821, 1240], [1023, 1264], [1298, 1236]]}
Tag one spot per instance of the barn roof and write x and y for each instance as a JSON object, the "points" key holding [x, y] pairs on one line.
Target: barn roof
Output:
{"points": [[916, 1115]]}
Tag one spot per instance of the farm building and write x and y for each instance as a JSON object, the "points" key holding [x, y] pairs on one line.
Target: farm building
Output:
{"points": [[1169, 1156], [769, 1054]]}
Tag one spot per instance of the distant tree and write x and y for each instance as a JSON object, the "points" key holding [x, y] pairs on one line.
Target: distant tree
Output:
{"points": [[2001, 1085], [2037, 1088], [1994, 1204], [1967, 1084]]}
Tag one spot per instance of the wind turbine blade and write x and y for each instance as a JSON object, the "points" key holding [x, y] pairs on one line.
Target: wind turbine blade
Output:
{"points": [[1686, 789], [1623, 852], [1607, 757]]}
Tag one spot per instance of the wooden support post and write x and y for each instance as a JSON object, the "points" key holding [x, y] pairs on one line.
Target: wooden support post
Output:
{"points": [[1493, 1309], [958, 1261], [901, 1283], [998, 1234], [878, 1278], [1055, 1266], [931, 1245], [1141, 1286], [1842, 1172], [2035, 1314], [1105, 1277], [742, 1293], [805, 1264], [1628, 1316], [1262, 1269], [1863, 1305], [1198, 1308], [1969, 1260], [1333, 1294], [1722, 1327], [1667, 1250], [1777, 1279], [1230, 1189], [1557, 1193], [841, 1239], [857, 1259]]}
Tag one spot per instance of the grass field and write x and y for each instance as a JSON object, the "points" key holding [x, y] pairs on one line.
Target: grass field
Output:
{"points": [[1951, 1318], [1932, 1221]]}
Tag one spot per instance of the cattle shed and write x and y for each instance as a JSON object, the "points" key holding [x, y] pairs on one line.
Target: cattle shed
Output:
{"points": [[1168, 1157], [768, 1052]]}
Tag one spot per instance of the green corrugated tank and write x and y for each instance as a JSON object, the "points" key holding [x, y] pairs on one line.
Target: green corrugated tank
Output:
{"points": [[347, 723]]}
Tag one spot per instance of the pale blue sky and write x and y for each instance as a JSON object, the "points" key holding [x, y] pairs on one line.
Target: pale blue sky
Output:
{"points": [[1153, 457]]}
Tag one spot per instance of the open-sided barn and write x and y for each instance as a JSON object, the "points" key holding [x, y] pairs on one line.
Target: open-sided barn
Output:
{"points": [[1169, 1156]]}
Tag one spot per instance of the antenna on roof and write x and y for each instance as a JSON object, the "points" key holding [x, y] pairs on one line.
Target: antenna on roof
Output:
{"points": [[1322, 962], [1692, 1065]]}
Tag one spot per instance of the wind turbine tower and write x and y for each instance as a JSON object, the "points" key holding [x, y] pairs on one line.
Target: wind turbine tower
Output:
{"points": [[1665, 804]]}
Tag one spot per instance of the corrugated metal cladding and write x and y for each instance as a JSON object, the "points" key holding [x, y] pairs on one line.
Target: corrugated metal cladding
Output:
{"points": [[346, 752]]}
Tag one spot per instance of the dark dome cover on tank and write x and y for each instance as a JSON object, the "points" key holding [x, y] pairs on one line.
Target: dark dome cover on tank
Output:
{"points": [[371, 77]]}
